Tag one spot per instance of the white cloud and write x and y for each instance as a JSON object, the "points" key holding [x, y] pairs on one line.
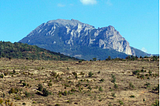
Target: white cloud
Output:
{"points": [[87, 2], [143, 49], [61, 5]]}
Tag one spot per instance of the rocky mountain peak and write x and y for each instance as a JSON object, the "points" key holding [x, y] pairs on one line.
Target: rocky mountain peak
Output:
{"points": [[71, 37], [72, 22]]}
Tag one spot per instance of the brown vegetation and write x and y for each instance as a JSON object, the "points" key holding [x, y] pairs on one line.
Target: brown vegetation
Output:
{"points": [[73, 83]]}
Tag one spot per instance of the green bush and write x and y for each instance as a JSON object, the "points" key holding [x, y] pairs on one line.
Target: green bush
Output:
{"points": [[147, 84], [13, 90], [89, 88], [27, 94], [113, 78], [14, 71], [113, 95], [121, 102], [24, 84], [115, 86], [100, 89], [102, 80], [150, 72], [1, 76], [17, 98], [131, 85], [45, 92], [40, 87], [49, 84], [135, 72], [90, 74], [132, 96]]}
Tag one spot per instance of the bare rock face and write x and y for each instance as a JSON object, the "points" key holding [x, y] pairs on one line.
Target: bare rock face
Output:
{"points": [[67, 35], [109, 38]]}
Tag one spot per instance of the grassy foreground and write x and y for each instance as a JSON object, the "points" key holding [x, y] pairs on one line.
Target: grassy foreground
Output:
{"points": [[73, 83]]}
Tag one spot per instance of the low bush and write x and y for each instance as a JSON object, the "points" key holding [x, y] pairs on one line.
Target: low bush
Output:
{"points": [[40, 87], [45, 92], [90, 74], [1, 76], [13, 90]]}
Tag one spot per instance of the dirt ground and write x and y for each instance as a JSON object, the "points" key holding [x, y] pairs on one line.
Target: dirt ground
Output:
{"points": [[73, 83]]}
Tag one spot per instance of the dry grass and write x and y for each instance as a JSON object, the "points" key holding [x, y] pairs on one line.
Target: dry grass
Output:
{"points": [[69, 84]]}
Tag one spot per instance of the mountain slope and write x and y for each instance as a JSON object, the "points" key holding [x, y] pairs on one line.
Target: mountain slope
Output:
{"points": [[71, 36], [25, 51]]}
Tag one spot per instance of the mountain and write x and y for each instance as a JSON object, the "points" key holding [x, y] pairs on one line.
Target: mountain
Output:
{"points": [[74, 38], [25, 51]]}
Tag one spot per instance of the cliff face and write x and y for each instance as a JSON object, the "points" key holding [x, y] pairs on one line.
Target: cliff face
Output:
{"points": [[66, 36]]}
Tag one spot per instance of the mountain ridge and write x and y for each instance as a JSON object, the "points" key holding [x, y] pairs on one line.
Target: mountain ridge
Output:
{"points": [[25, 51], [66, 35]]}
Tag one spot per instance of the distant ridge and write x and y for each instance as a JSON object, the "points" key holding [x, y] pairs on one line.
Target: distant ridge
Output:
{"points": [[25, 51], [74, 38]]}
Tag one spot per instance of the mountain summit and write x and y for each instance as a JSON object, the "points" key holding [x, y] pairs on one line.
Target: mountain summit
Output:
{"points": [[74, 38]]}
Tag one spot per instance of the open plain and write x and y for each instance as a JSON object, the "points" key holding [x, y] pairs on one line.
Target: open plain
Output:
{"points": [[78, 83]]}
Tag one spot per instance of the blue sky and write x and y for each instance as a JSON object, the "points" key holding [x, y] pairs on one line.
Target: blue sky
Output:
{"points": [[136, 20]]}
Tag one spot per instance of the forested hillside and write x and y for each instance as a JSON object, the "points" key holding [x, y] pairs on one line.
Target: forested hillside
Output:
{"points": [[25, 51]]}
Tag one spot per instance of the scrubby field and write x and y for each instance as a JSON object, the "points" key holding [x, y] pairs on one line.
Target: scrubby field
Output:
{"points": [[73, 83]]}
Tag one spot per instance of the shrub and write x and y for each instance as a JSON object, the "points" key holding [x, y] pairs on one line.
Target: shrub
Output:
{"points": [[102, 80], [64, 93], [74, 73], [115, 86], [54, 74], [17, 98], [99, 72], [147, 84], [40, 87], [156, 88], [94, 59], [24, 84], [13, 90], [1, 76], [150, 72], [121, 102], [27, 94], [80, 61], [90, 74], [131, 85], [45, 92], [89, 88], [5, 73], [113, 95], [1, 101], [100, 89], [49, 84], [73, 90], [132, 96], [82, 73], [14, 71], [135, 72], [57, 104], [142, 76], [23, 103], [113, 78]]}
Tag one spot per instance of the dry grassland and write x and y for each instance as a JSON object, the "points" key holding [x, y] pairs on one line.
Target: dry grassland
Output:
{"points": [[70, 83]]}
